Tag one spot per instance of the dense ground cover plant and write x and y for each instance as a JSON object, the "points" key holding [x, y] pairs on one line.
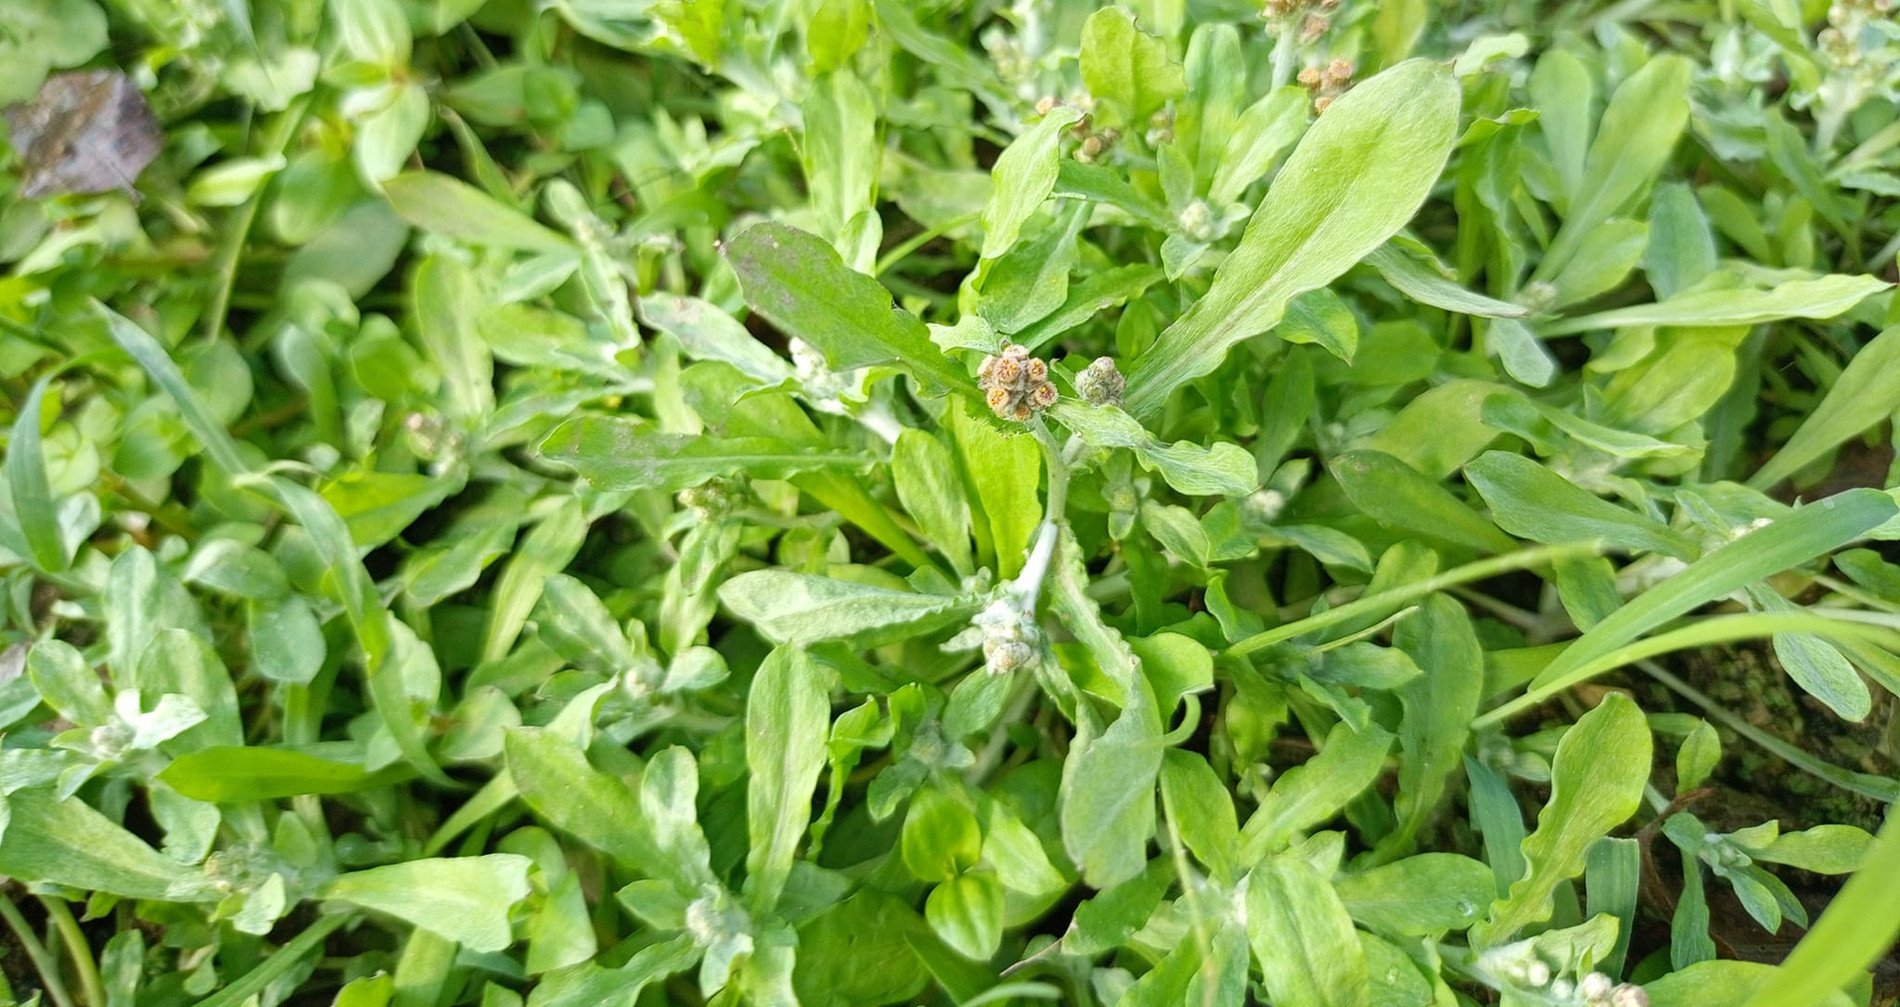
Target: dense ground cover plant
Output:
{"points": [[849, 502]]}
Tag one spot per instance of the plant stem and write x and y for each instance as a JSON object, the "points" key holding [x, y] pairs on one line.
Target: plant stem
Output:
{"points": [[78, 947], [42, 959], [1480, 570], [286, 958], [231, 248]]}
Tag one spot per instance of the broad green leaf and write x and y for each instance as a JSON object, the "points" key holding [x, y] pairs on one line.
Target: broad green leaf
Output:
{"points": [[801, 609], [227, 774], [1867, 392], [787, 717], [377, 506], [449, 206], [1644, 119], [1200, 809], [941, 837], [1108, 795], [1823, 849], [1597, 780], [967, 912], [1022, 178], [1316, 790], [1530, 501], [63, 841], [1223, 469], [1358, 175], [1821, 297], [463, 899], [614, 454], [840, 154], [1820, 669], [548, 547], [1438, 707], [385, 652], [33, 504], [799, 284], [1301, 935], [1394, 493], [925, 475], [1126, 68], [707, 332], [1005, 471], [1431, 893], [1730, 984], [1411, 267], [556, 781], [1811, 531], [447, 298]]}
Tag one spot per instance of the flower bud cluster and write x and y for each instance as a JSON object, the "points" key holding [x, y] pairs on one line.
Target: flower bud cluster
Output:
{"points": [[1015, 384], [1327, 84]]}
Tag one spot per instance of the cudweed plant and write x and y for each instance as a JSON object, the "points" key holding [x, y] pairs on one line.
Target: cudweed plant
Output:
{"points": [[850, 502]]}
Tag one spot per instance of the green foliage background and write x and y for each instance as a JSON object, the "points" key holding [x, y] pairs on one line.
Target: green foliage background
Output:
{"points": [[512, 511]]}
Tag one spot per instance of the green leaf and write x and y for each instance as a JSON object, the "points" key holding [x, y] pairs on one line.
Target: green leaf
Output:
{"points": [[1358, 175], [941, 837], [1530, 501], [1821, 297], [1200, 809], [1005, 471], [377, 506], [925, 475], [462, 899], [448, 206], [1729, 984], [1431, 893], [967, 912], [1823, 849], [1697, 757], [199, 419], [1126, 68], [447, 299], [1867, 392], [227, 774], [1597, 780], [1022, 178], [557, 782], [1417, 273], [63, 841], [707, 332], [1438, 707], [787, 717], [1644, 119], [1220, 470], [799, 284], [33, 504], [617, 454], [1302, 936], [1811, 531], [1316, 790], [1108, 796], [1394, 493], [801, 609]]}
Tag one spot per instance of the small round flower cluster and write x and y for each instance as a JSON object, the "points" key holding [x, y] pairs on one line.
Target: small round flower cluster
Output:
{"points": [[1593, 989], [1599, 990], [1016, 384], [1094, 142], [1100, 383], [1010, 637], [1327, 84]]}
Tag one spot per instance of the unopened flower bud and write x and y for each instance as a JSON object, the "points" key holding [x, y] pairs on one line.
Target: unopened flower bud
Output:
{"points": [[1100, 383], [1629, 995], [1595, 989]]}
